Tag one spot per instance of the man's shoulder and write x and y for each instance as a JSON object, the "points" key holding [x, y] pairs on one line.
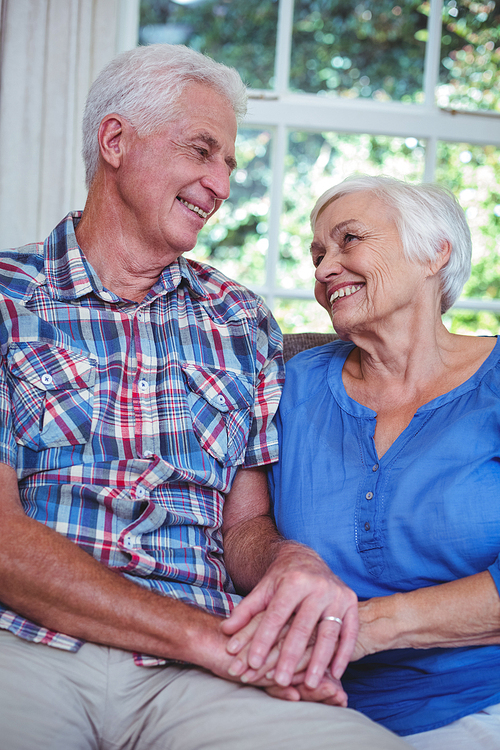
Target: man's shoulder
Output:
{"points": [[219, 290], [21, 268]]}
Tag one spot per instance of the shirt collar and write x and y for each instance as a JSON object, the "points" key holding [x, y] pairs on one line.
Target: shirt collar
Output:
{"points": [[69, 275], [188, 274]]}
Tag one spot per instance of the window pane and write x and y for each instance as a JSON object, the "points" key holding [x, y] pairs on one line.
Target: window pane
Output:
{"points": [[300, 316], [240, 33], [359, 48], [315, 162], [235, 239], [470, 54], [473, 174], [472, 322]]}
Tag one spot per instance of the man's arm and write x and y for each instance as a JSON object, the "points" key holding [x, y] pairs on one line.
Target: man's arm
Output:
{"points": [[51, 581], [48, 579], [291, 581]]}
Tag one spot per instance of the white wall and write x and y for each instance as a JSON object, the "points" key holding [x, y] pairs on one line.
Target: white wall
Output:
{"points": [[51, 50]]}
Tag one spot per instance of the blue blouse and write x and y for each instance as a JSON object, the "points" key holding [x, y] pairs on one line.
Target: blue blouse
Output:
{"points": [[426, 513]]}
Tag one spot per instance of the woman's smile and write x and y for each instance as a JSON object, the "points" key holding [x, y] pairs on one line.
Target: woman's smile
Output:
{"points": [[344, 291]]}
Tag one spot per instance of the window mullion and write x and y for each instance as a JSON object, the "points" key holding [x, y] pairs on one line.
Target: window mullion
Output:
{"points": [[430, 159], [283, 46], [278, 173], [433, 53]]}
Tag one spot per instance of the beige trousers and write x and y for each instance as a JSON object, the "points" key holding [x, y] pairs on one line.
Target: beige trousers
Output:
{"points": [[99, 699]]}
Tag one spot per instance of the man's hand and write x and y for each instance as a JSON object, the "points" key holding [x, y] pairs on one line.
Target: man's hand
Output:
{"points": [[300, 584]]}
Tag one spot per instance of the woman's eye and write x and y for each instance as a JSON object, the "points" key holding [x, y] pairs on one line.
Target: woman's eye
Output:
{"points": [[317, 260], [349, 237]]}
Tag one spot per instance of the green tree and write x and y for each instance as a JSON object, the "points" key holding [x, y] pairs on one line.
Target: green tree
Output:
{"points": [[240, 33], [349, 48]]}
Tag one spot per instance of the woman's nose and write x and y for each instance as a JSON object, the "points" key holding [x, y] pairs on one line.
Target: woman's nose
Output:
{"points": [[329, 266]]}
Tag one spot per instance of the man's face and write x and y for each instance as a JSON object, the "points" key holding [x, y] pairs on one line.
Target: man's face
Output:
{"points": [[172, 181]]}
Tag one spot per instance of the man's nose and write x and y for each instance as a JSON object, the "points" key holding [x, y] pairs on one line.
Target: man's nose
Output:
{"points": [[217, 180]]}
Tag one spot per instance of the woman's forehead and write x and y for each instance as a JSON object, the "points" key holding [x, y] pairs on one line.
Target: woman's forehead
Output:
{"points": [[361, 206]]}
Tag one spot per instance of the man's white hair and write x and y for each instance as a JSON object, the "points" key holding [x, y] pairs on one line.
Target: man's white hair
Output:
{"points": [[144, 84], [426, 216]]}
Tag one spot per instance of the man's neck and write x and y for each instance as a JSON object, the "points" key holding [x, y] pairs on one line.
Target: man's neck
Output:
{"points": [[126, 267]]}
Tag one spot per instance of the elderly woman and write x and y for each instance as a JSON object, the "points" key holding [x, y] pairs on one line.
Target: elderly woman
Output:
{"points": [[390, 461]]}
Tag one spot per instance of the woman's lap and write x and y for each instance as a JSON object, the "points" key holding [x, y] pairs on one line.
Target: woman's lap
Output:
{"points": [[479, 731]]}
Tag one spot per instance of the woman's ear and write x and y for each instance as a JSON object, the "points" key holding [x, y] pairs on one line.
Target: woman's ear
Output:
{"points": [[441, 259]]}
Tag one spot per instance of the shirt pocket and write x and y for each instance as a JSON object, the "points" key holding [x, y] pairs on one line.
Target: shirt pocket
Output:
{"points": [[221, 406], [51, 393]]}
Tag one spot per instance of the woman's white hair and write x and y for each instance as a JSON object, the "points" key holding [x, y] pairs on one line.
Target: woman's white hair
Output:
{"points": [[426, 216], [144, 84]]}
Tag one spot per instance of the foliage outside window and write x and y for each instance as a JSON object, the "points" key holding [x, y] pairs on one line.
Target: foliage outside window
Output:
{"points": [[346, 51]]}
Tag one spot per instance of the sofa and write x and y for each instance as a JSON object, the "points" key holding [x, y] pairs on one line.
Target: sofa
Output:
{"points": [[293, 343]]}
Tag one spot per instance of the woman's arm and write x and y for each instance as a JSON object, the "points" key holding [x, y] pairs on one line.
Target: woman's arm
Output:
{"points": [[465, 612]]}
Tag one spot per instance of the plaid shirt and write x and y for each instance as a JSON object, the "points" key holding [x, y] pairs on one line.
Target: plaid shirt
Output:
{"points": [[127, 421]]}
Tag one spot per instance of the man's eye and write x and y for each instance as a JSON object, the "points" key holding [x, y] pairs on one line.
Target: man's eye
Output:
{"points": [[202, 152], [349, 237]]}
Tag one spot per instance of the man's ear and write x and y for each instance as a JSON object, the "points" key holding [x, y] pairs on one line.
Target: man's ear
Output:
{"points": [[111, 134], [441, 258]]}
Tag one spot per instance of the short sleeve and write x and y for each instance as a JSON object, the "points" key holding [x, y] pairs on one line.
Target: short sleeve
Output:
{"points": [[495, 573], [263, 440], [8, 447]]}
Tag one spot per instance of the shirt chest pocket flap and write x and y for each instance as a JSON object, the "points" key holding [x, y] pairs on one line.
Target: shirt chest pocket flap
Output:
{"points": [[221, 404], [52, 397]]}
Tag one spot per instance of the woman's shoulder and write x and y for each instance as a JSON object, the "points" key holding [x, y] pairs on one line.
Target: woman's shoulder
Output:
{"points": [[308, 371], [489, 371], [318, 356]]}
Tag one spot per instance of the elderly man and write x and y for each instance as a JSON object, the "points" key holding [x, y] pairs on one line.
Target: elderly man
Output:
{"points": [[137, 395]]}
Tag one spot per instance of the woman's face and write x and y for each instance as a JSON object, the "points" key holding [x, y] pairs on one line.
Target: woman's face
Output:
{"points": [[363, 278]]}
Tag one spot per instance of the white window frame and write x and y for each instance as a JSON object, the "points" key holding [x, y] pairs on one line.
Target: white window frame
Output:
{"points": [[282, 111]]}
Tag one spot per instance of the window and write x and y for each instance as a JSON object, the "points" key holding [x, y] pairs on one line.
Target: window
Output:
{"points": [[401, 87]]}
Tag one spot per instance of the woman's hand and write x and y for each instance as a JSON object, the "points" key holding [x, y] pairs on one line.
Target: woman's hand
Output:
{"points": [[240, 663], [328, 691]]}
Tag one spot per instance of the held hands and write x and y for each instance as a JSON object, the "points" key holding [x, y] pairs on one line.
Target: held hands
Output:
{"points": [[280, 627], [328, 691]]}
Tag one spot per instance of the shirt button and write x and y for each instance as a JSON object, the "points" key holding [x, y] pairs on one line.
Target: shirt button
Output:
{"points": [[128, 541], [220, 399], [375, 467], [143, 386], [47, 379], [140, 492], [369, 495], [367, 526], [140, 315]]}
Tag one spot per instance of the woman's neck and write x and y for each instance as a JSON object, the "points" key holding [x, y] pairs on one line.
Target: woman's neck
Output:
{"points": [[396, 378]]}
